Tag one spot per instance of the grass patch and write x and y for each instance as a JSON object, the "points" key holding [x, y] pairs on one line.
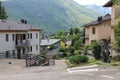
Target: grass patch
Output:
{"points": [[113, 63]]}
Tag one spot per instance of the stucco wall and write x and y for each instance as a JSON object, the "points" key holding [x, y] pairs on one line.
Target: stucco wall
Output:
{"points": [[6, 46], [10, 44], [115, 14], [102, 31]]}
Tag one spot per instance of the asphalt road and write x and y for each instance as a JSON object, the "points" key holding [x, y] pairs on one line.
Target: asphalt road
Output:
{"points": [[59, 72]]}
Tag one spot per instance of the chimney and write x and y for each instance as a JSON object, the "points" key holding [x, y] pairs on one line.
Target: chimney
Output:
{"points": [[99, 18], [24, 21]]}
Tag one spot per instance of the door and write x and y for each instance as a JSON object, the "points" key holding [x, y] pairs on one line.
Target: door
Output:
{"points": [[18, 54]]}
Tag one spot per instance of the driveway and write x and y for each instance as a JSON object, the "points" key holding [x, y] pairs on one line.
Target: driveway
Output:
{"points": [[59, 72]]}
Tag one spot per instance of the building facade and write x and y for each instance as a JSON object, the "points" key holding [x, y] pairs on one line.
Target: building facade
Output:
{"points": [[18, 39], [115, 17], [98, 30]]}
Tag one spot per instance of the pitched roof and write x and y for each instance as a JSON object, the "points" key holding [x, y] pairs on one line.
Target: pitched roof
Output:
{"points": [[104, 18], [47, 42], [12, 25], [108, 4]]}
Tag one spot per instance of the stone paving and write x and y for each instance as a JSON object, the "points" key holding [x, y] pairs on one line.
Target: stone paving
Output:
{"points": [[60, 72]]}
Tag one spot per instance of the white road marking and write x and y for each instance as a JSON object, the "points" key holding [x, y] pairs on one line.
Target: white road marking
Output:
{"points": [[107, 76], [69, 70], [85, 70], [83, 73], [83, 67], [110, 70]]}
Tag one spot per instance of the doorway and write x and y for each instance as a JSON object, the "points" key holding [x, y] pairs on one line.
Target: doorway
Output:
{"points": [[18, 54]]}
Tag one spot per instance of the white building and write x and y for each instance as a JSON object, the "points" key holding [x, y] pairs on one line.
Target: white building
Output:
{"points": [[18, 39]]}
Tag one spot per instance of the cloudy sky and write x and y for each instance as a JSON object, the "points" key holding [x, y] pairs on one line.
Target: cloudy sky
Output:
{"points": [[97, 2], [84, 2]]}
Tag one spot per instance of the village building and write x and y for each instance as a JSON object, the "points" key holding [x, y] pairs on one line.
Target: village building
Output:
{"points": [[49, 49], [115, 17], [49, 44], [98, 30], [18, 39]]}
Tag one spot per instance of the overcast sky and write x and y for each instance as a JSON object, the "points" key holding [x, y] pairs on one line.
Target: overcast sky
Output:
{"points": [[97, 2], [84, 2]]}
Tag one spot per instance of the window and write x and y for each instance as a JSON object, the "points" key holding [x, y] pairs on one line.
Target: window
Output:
{"points": [[13, 37], [36, 47], [28, 49], [93, 30], [28, 36], [31, 48], [23, 51], [24, 36], [7, 37], [13, 53], [7, 54], [36, 35], [31, 36]]}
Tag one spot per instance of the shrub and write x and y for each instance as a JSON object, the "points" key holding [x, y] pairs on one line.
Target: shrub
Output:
{"points": [[77, 59], [96, 50], [71, 49], [83, 58], [76, 52], [77, 44], [85, 49], [62, 49], [61, 55]]}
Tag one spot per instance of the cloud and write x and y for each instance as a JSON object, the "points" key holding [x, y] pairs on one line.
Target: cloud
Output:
{"points": [[4, 0], [97, 2]]}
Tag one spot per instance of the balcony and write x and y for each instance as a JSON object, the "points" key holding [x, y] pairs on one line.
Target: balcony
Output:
{"points": [[23, 44]]}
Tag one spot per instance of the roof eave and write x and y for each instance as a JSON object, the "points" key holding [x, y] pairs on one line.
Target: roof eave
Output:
{"points": [[97, 23], [108, 4]]}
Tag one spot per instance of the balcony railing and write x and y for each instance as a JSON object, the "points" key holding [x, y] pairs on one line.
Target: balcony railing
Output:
{"points": [[23, 44]]}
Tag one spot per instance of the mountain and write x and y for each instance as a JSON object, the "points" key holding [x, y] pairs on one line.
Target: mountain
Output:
{"points": [[99, 9], [50, 15]]}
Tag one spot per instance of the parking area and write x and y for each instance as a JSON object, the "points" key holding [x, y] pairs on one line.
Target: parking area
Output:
{"points": [[60, 72]]}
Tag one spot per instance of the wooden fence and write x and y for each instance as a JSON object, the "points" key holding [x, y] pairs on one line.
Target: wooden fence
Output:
{"points": [[32, 60]]}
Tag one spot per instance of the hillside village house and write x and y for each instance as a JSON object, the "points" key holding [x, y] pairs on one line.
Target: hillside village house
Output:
{"points": [[49, 48], [115, 17], [98, 29], [18, 39], [47, 44]]}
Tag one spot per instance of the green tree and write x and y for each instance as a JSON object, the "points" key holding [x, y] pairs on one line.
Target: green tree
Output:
{"points": [[76, 31], [117, 37], [71, 31], [116, 1], [77, 44], [3, 14], [85, 48], [96, 50]]}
